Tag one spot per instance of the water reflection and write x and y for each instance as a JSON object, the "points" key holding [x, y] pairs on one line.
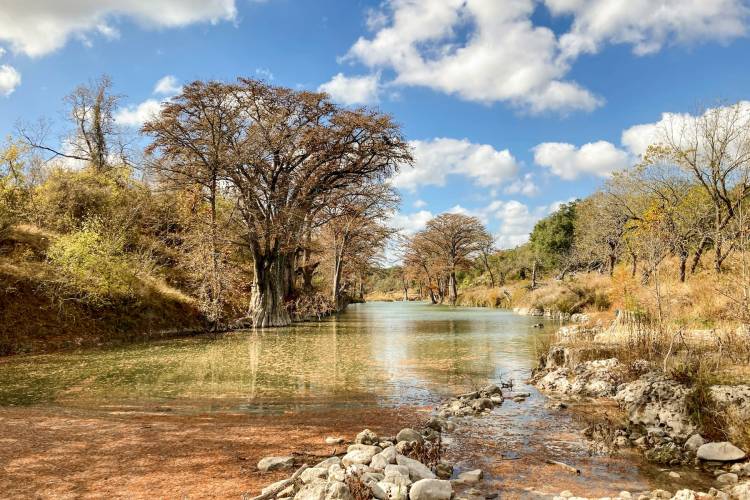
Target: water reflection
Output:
{"points": [[379, 353]]}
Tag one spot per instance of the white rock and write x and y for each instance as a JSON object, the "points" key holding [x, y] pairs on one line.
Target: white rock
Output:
{"points": [[328, 462], [394, 491], [313, 474], [694, 442], [366, 437], [409, 435], [275, 463], [470, 477], [417, 470], [720, 452], [728, 478], [431, 489], [324, 491]]}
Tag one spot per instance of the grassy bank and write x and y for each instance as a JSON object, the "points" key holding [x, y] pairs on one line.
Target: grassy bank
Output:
{"points": [[44, 309]]}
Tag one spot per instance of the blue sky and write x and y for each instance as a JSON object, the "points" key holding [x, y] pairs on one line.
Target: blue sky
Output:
{"points": [[513, 105]]}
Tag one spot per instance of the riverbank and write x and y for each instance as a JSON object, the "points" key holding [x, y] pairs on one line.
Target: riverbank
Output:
{"points": [[678, 423]]}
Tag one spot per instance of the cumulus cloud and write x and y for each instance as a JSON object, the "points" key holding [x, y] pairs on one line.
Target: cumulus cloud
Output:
{"points": [[137, 115], [167, 85], [568, 162], [409, 224], [480, 50], [351, 90], [648, 25], [490, 50], [38, 27], [637, 138], [434, 160], [10, 78]]}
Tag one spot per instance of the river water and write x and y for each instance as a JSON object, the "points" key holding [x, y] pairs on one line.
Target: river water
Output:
{"points": [[381, 355]]}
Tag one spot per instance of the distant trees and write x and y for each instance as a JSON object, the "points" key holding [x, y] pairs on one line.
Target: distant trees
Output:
{"points": [[448, 244]]}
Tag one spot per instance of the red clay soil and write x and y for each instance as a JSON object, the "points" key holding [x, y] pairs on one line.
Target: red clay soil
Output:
{"points": [[60, 453]]}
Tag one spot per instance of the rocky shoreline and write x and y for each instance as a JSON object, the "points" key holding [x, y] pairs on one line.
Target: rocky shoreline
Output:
{"points": [[657, 420], [410, 465]]}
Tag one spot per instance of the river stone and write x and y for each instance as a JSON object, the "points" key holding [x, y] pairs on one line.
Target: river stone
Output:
{"points": [[470, 477], [431, 489], [328, 462], [397, 474], [720, 452], [394, 491], [417, 470], [336, 473], [409, 435], [366, 437], [275, 463], [324, 491], [728, 478], [694, 442], [313, 474]]}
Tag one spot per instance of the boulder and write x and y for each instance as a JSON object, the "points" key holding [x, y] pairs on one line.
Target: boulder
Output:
{"points": [[394, 491], [417, 470], [728, 478], [366, 437], [275, 463], [332, 490], [409, 435], [657, 402], [694, 442], [470, 477], [720, 452], [313, 474], [431, 489]]}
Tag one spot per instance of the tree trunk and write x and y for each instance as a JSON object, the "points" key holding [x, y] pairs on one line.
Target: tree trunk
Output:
{"points": [[698, 254], [683, 265], [452, 289], [267, 308]]}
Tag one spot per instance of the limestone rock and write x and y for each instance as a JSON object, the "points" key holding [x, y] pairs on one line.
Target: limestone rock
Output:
{"points": [[275, 463], [431, 489], [366, 437], [720, 452], [417, 470], [409, 435]]}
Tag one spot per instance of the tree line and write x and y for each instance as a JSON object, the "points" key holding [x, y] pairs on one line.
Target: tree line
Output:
{"points": [[685, 199], [254, 192]]}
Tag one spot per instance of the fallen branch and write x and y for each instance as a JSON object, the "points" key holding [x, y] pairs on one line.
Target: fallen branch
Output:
{"points": [[276, 489], [565, 466]]}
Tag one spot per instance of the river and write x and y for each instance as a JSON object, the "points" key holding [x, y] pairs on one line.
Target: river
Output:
{"points": [[384, 357]]}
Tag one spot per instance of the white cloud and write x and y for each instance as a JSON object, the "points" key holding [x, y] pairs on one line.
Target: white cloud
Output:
{"points": [[137, 115], [167, 85], [480, 50], [353, 90], [436, 159], [637, 138], [409, 224], [38, 27], [565, 160], [525, 186], [10, 78], [648, 25]]}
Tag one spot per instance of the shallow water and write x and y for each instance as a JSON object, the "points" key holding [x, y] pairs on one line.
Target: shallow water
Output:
{"points": [[373, 355]]}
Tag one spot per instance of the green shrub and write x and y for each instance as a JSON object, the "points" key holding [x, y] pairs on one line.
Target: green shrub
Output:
{"points": [[92, 264]]}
